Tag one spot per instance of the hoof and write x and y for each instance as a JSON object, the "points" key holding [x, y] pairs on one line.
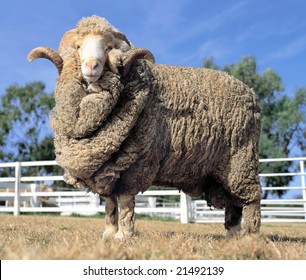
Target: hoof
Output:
{"points": [[234, 231], [120, 235], [109, 232]]}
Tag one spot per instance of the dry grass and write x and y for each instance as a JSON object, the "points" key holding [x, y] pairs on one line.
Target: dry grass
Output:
{"points": [[55, 237]]}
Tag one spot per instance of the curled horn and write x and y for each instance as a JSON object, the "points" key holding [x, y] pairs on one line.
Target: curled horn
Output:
{"points": [[48, 53], [135, 54]]}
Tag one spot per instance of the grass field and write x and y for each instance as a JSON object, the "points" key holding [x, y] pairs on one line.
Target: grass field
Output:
{"points": [[56, 237]]}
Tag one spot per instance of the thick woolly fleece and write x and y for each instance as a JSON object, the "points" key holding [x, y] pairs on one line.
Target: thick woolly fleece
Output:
{"points": [[193, 129], [98, 25], [81, 148], [81, 110], [93, 25]]}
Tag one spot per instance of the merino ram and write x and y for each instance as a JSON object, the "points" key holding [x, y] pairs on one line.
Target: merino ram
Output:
{"points": [[193, 129]]}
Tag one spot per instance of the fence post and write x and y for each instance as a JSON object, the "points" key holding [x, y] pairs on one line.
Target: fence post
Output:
{"points": [[17, 189], [34, 198], [184, 205], [151, 204], [302, 169]]}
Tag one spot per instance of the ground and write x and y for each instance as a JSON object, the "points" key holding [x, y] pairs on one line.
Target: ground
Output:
{"points": [[56, 237]]}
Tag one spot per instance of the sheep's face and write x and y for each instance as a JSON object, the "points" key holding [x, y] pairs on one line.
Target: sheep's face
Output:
{"points": [[93, 51]]}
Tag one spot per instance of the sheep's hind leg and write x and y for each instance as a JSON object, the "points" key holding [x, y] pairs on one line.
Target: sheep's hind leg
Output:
{"points": [[126, 217], [244, 184], [233, 216], [251, 215], [111, 216]]}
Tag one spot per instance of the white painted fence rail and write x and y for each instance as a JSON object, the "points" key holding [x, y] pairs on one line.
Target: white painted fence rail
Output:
{"points": [[20, 189]]}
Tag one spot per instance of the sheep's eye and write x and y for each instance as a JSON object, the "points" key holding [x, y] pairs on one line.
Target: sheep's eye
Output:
{"points": [[77, 46], [109, 48]]}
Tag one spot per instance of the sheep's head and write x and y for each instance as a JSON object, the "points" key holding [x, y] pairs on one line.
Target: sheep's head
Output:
{"points": [[93, 51], [97, 52], [99, 45]]}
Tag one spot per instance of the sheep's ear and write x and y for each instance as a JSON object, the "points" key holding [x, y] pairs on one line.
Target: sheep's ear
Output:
{"points": [[119, 35], [66, 43], [48, 53], [132, 55]]}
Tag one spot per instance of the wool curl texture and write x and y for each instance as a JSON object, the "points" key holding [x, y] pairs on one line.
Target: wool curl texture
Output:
{"points": [[194, 129], [94, 25]]}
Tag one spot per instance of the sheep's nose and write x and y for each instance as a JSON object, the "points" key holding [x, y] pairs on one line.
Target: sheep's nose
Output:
{"points": [[91, 65]]}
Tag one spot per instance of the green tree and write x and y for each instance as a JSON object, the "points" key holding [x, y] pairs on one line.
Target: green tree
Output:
{"points": [[283, 118], [25, 134]]}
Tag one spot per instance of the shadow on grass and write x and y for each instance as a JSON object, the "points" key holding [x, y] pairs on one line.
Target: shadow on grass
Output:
{"points": [[281, 238], [185, 236]]}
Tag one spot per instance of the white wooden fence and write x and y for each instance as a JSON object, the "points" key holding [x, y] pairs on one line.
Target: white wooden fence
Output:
{"points": [[21, 188]]}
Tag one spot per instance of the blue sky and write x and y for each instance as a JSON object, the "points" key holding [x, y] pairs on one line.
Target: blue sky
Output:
{"points": [[178, 32]]}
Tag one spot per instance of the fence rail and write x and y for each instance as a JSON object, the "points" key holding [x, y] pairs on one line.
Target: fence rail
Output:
{"points": [[21, 194]]}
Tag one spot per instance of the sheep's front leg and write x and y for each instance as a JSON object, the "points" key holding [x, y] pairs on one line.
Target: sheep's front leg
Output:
{"points": [[111, 216], [126, 217]]}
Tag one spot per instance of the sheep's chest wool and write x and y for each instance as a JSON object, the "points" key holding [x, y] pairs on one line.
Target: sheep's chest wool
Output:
{"points": [[193, 129]]}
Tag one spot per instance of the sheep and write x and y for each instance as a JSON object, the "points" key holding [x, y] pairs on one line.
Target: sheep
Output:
{"points": [[193, 129]]}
